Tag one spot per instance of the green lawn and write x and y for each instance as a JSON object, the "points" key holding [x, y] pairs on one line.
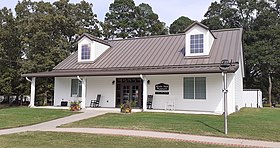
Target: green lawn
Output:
{"points": [[261, 124], [22, 116], [54, 139]]}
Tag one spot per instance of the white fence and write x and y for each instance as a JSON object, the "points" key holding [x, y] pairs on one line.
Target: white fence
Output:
{"points": [[252, 98]]}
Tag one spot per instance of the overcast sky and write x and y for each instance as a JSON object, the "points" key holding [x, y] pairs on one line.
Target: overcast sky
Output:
{"points": [[168, 10]]}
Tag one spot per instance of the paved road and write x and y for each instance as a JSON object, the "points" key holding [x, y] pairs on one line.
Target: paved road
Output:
{"points": [[52, 126]]}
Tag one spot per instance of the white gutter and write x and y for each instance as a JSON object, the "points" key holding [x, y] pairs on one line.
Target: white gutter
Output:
{"points": [[28, 79]]}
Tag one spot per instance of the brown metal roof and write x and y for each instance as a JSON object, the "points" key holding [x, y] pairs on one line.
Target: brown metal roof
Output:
{"points": [[140, 55]]}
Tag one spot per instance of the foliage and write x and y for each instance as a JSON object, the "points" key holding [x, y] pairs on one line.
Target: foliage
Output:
{"points": [[36, 38], [75, 106], [179, 25], [22, 116], [63, 139], [248, 123], [125, 20], [147, 22], [10, 54]]}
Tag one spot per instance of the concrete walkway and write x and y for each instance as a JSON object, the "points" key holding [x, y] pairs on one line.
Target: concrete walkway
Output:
{"points": [[52, 126]]}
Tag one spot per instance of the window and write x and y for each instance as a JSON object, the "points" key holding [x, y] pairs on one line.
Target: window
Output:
{"points": [[195, 88], [85, 52], [76, 88], [196, 43]]}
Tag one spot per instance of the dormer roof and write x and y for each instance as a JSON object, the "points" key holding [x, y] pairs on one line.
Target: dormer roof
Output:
{"points": [[93, 38], [199, 24]]}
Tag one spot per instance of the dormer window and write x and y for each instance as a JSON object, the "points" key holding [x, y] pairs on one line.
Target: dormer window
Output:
{"points": [[199, 40], [196, 43], [85, 55], [90, 48]]}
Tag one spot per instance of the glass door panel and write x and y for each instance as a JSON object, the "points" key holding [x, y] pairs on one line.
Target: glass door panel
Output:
{"points": [[135, 95]]}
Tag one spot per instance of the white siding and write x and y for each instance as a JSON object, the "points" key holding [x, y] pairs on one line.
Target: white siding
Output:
{"points": [[95, 85], [213, 102], [99, 49], [104, 86], [252, 98], [62, 90], [231, 82], [239, 88]]}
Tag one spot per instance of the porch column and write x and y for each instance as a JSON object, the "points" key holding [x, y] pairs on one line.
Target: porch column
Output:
{"points": [[145, 92], [84, 87], [32, 93]]}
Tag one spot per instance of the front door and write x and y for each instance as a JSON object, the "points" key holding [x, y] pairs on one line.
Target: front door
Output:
{"points": [[129, 89]]}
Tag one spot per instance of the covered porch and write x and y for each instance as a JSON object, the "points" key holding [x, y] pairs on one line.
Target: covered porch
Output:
{"points": [[167, 92], [114, 91]]}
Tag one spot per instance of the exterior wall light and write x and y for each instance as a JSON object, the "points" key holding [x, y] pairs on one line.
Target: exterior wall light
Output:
{"points": [[113, 82]]}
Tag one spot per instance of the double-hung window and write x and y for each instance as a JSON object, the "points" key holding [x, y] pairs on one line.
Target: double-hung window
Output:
{"points": [[76, 88], [194, 88], [85, 52], [196, 43]]}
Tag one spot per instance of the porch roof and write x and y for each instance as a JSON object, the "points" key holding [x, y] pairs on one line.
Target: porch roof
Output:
{"points": [[133, 71]]}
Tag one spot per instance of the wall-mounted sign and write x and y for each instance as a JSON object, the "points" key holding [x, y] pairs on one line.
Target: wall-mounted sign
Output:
{"points": [[161, 86]]}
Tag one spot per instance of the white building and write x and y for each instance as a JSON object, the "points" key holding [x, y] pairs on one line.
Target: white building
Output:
{"points": [[181, 71]]}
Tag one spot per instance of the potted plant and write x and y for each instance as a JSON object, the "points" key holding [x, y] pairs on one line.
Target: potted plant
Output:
{"points": [[126, 107], [75, 105]]}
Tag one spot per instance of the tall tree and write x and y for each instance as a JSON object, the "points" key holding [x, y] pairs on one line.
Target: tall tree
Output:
{"points": [[263, 44], [125, 20], [10, 54], [179, 25], [48, 32], [147, 22], [119, 21], [230, 14], [260, 20]]}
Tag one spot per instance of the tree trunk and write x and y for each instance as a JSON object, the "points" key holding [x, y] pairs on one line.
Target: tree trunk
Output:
{"points": [[269, 89]]}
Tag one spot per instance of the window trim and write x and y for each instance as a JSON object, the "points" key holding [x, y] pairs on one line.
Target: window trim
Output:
{"points": [[194, 89]]}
